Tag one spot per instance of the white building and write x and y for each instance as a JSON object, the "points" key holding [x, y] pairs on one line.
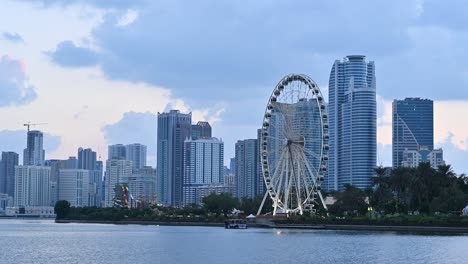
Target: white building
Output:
{"points": [[412, 158], [73, 186], [203, 165], [35, 211], [116, 170], [32, 186]]}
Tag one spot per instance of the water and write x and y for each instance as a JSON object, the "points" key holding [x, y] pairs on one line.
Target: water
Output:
{"points": [[39, 241]]}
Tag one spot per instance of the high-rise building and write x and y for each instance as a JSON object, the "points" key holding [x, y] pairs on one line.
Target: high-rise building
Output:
{"points": [[32, 186], [86, 159], [203, 165], [201, 130], [70, 163], [116, 152], [232, 165], [173, 128], [116, 170], [352, 111], [137, 154], [34, 153], [55, 166], [412, 127], [261, 187], [142, 184], [73, 186], [246, 176], [7, 173]]}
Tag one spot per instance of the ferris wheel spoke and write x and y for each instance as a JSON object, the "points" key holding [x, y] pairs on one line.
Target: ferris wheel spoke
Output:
{"points": [[313, 154]]}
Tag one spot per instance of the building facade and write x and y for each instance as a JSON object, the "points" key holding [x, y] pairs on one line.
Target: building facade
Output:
{"points": [[412, 158], [137, 154], [32, 186], [74, 187], [201, 130], [116, 151], [116, 171], [203, 165], [86, 159], [7, 173], [142, 185], [412, 127], [352, 122], [205, 190], [247, 172], [173, 128]]}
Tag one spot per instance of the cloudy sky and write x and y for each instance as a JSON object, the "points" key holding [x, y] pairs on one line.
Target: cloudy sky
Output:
{"points": [[97, 71]]}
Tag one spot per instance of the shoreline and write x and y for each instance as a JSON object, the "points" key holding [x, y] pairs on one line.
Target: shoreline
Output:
{"points": [[379, 228]]}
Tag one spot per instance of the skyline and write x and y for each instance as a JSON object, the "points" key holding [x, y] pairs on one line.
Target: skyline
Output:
{"points": [[70, 81]]}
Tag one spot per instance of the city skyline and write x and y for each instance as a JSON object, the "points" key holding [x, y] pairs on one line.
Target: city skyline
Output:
{"points": [[58, 74]]}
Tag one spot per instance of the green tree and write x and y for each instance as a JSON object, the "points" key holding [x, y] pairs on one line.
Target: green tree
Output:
{"points": [[351, 201], [62, 208], [222, 203]]}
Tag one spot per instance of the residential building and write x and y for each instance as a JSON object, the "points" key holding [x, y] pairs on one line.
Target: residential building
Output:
{"points": [[232, 165], [116, 152], [34, 153], [246, 176], [142, 185], [203, 165], [70, 163], [205, 190], [412, 158], [86, 159], [55, 166], [201, 130], [116, 170], [7, 173], [74, 186], [32, 186], [352, 122], [412, 127], [173, 128], [137, 154]]}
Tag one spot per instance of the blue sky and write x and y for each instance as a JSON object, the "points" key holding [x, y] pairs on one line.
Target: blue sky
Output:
{"points": [[98, 71]]}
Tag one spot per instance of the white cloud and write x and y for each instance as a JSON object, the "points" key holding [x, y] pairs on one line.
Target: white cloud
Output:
{"points": [[128, 18]]}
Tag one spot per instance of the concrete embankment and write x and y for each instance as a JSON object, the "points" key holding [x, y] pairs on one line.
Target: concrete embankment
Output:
{"points": [[416, 229], [132, 222], [409, 229]]}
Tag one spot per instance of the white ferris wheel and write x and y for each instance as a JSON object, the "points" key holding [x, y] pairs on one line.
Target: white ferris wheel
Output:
{"points": [[294, 146]]}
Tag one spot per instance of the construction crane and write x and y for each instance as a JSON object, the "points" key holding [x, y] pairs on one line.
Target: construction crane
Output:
{"points": [[29, 125]]}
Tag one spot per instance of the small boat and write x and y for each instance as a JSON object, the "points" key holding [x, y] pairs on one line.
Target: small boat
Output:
{"points": [[235, 224]]}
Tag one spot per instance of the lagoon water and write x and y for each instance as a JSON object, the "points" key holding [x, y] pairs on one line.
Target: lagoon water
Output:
{"points": [[43, 241]]}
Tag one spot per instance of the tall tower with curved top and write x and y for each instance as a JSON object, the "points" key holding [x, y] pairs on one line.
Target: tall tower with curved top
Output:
{"points": [[352, 111]]}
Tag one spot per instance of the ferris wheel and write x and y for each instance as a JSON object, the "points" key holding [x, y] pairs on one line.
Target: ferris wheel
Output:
{"points": [[294, 146]]}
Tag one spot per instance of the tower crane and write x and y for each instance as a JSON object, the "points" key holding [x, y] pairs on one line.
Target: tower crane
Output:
{"points": [[29, 125]]}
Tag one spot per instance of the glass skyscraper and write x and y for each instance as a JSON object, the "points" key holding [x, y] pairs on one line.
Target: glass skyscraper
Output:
{"points": [[173, 128], [412, 127], [352, 111], [7, 172], [34, 153]]}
